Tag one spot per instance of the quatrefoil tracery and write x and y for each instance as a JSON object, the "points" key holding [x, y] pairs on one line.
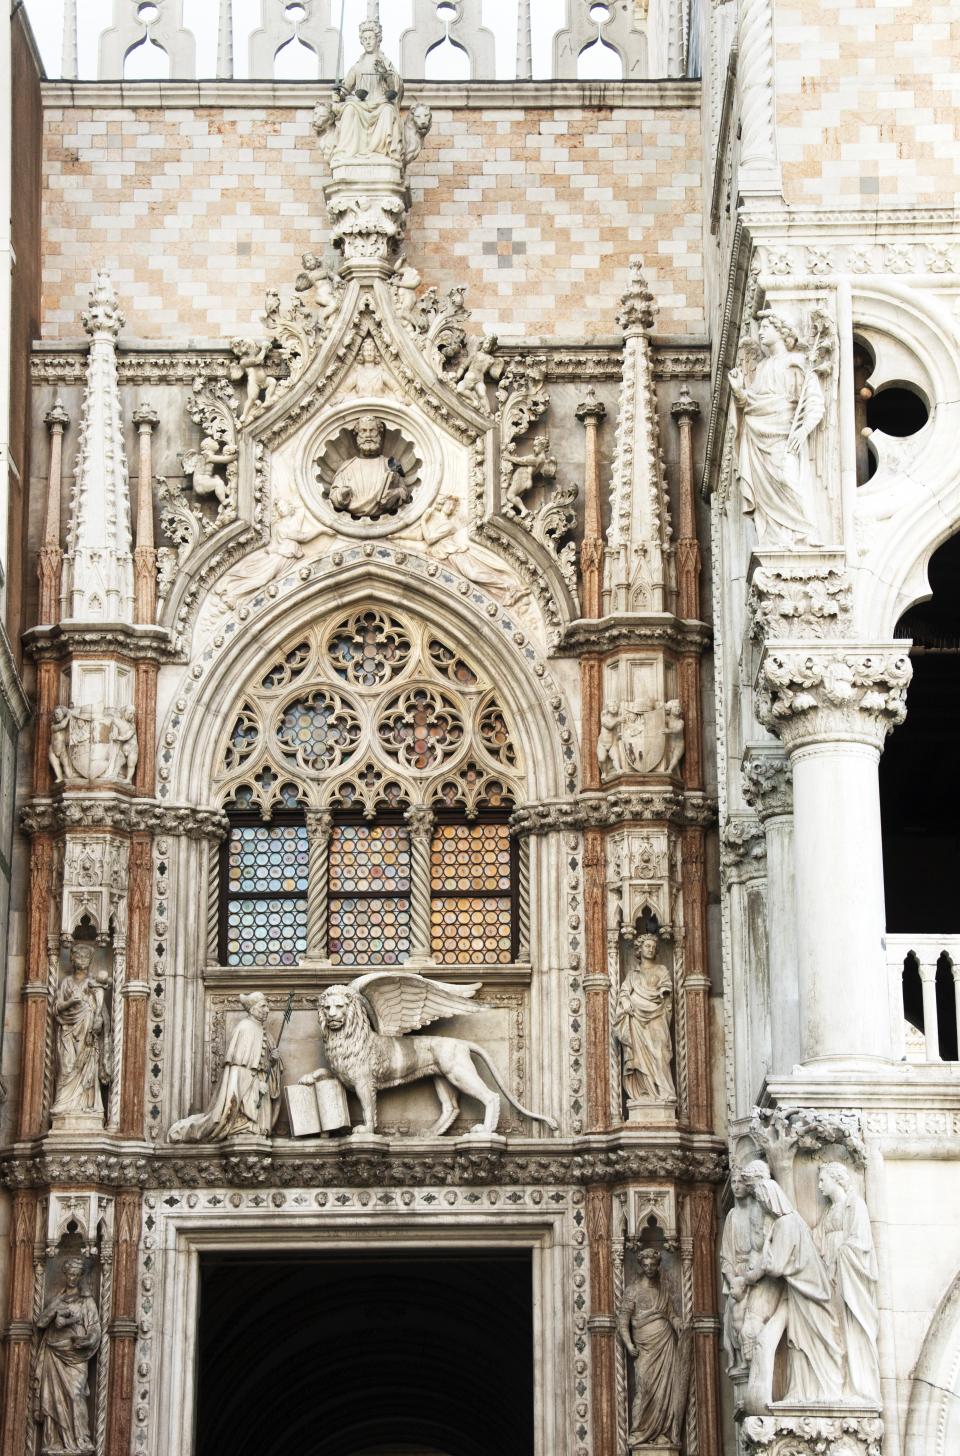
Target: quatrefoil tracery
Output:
{"points": [[371, 711]]}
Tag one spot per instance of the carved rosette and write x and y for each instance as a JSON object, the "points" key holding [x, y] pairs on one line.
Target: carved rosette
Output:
{"points": [[810, 694], [806, 1435], [767, 781]]}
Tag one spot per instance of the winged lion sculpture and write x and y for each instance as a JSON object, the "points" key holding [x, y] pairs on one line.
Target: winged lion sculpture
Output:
{"points": [[364, 1028]]}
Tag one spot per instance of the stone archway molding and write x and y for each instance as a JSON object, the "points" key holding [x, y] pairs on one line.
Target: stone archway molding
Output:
{"points": [[933, 1415]]}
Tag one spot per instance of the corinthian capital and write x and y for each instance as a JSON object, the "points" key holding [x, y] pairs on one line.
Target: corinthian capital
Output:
{"points": [[767, 780], [818, 692]]}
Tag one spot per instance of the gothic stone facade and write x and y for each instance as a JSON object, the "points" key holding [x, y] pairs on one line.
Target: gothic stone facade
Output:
{"points": [[389, 668]]}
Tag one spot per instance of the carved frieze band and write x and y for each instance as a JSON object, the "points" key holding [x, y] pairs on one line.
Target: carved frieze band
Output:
{"points": [[699, 1161], [96, 811], [618, 806], [670, 361]]}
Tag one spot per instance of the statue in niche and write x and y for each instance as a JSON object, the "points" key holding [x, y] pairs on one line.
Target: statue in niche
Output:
{"points": [[778, 410], [804, 1310], [749, 1301], [201, 465], [641, 1024], [481, 361], [317, 276], [369, 376], [69, 1339], [292, 526], [449, 540], [247, 1101], [364, 1028], [371, 484], [845, 1241], [251, 366], [364, 121], [84, 1043], [520, 471], [647, 1325]]}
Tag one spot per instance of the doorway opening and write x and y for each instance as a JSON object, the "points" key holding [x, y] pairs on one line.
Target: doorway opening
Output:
{"points": [[365, 1353]]}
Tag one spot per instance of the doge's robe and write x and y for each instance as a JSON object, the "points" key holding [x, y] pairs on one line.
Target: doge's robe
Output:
{"points": [[247, 1099]]}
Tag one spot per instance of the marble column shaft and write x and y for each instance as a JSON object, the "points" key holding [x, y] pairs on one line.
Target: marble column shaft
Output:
{"points": [[596, 981], [122, 1329], [17, 1381], [602, 1321]]}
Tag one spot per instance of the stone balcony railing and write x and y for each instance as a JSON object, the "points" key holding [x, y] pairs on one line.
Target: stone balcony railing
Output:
{"points": [[433, 39], [930, 1020]]}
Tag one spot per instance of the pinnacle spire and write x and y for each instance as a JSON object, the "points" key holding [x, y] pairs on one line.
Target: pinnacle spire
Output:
{"points": [[98, 568]]}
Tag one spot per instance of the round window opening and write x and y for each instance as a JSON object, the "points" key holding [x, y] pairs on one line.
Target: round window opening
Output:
{"points": [[897, 410]]}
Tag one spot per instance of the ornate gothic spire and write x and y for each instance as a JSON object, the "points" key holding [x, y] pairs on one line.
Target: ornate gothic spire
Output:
{"points": [[98, 569]]}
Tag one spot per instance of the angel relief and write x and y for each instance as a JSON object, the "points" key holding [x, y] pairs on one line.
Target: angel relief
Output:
{"points": [[364, 1028], [780, 404]]}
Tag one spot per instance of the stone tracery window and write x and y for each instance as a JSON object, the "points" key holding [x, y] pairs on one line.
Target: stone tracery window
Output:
{"points": [[369, 773]]}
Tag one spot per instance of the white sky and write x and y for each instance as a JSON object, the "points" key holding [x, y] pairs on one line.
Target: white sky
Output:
{"points": [[200, 16]]}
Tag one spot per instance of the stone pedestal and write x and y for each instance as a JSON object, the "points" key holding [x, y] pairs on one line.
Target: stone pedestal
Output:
{"points": [[650, 1111], [658, 1448]]}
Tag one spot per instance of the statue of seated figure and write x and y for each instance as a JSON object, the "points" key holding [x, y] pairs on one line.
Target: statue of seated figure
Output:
{"points": [[368, 114]]}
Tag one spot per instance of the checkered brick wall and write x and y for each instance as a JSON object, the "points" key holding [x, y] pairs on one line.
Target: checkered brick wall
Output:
{"points": [[868, 96], [197, 212]]}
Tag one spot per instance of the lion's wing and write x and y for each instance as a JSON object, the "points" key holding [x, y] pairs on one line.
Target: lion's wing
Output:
{"points": [[404, 1001]]}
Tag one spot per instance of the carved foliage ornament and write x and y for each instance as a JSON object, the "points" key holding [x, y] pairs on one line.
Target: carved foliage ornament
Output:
{"points": [[829, 693], [815, 602]]}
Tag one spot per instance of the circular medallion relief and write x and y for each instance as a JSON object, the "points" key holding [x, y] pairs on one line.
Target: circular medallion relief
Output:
{"points": [[368, 474]]}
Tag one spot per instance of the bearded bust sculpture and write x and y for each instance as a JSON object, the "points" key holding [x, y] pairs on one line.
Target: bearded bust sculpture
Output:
{"points": [[368, 470]]}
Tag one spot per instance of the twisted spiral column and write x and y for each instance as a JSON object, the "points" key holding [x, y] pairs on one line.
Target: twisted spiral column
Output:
{"points": [[420, 817], [319, 830]]}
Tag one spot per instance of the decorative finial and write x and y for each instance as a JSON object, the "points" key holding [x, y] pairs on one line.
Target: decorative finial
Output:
{"points": [[686, 407], [638, 309], [591, 408], [57, 415], [103, 317]]}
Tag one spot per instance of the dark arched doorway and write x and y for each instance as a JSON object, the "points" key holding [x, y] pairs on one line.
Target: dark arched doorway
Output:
{"points": [[920, 765], [337, 1355]]}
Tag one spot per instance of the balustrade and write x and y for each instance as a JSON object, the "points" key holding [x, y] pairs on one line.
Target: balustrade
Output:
{"points": [[434, 39], [925, 995]]}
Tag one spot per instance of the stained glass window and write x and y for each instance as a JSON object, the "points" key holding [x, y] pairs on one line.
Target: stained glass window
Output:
{"points": [[471, 902], [369, 894], [264, 900]]}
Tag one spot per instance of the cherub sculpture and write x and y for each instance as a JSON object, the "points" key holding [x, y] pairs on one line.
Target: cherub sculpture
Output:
{"points": [[200, 465], [482, 361], [520, 471], [316, 275], [363, 1026], [252, 365]]}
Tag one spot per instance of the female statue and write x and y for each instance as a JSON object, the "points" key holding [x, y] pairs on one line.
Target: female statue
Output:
{"points": [[777, 412], [71, 1337], [368, 116], [845, 1241], [641, 1023], [84, 1046]]}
